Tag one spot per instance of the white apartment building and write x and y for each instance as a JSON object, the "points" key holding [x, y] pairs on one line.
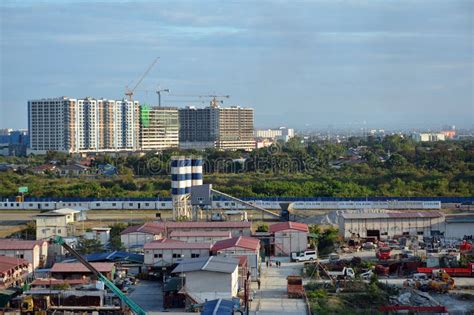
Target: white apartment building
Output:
{"points": [[428, 137], [282, 133], [82, 125]]}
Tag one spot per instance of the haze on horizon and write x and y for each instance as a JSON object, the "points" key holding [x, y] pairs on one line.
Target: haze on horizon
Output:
{"points": [[298, 63]]}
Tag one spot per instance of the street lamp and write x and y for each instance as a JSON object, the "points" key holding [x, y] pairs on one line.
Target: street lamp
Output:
{"points": [[158, 91]]}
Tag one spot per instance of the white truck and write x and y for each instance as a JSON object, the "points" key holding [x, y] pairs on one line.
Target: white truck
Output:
{"points": [[304, 256], [344, 273]]}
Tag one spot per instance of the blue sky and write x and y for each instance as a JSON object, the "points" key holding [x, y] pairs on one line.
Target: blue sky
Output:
{"points": [[298, 63]]}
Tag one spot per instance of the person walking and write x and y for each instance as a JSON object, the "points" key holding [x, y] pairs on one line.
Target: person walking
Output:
{"points": [[258, 283]]}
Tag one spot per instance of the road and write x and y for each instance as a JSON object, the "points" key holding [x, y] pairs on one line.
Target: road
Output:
{"points": [[272, 297], [149, 295]]}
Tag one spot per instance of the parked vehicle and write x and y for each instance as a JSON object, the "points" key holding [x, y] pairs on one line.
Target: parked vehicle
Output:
{"points": [[383, 253], [369, 245], [295, 287], [304, 256], [333, 257], [367, 275], [344, 273]]}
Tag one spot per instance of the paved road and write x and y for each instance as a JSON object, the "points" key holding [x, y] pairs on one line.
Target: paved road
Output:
{"points": [[272, 299], [148, 294]]}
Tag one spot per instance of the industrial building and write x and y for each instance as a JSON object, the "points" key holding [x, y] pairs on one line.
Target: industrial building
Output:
{"points": [[241, 246], [225, 128], [383, 225], [82, 125], [167, 252], [289, 237], [138, 235], [459, 226], [159, 128]]}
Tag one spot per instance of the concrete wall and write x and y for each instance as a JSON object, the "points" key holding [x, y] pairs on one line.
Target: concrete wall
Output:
{"points": [[167, 258], [138, 239], [47, 227], [212, 285], [289, 241]]}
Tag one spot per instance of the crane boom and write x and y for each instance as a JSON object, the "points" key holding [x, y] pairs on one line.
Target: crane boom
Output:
{"points": [[134, 307], [129, 93]]}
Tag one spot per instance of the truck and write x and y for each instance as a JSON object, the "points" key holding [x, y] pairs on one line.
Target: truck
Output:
{"points": [[343, 274], [453, 272], [295, 287], [383, 253]]}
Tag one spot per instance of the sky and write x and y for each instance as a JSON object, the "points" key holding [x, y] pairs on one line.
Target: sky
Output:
{"points": [[302, 64]]}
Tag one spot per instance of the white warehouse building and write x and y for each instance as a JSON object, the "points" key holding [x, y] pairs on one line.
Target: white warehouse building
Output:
{"points": [[385, 225], [459, 225]]}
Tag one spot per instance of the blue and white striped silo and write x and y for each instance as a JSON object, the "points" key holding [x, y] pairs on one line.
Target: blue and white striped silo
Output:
{"points": [[196, 169], [180, 175]]}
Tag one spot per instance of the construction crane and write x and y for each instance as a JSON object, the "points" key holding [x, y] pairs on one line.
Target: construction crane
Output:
{"points": [[134, 307], [128, 92], [214, 99]]}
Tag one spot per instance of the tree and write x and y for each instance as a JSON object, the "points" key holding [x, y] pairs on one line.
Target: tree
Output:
{"points": [[86, 246]]}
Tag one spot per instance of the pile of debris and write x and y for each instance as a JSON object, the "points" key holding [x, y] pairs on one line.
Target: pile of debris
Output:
{"points": [[413, 298]]}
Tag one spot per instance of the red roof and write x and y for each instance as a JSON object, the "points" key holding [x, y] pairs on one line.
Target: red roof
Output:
{"points": [[14, 244], [242, 261], [200, 234], [8, 263], [241, 241], [52, 281], [78, 267], [236, 224], [175, 244], [154, 228], [288, 226]]}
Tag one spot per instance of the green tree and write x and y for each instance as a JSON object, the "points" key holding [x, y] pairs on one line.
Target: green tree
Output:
{"points": [[86, 246]]}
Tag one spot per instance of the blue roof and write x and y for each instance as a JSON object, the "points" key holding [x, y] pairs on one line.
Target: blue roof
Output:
{"points": [[114, 256], [218, 307]]}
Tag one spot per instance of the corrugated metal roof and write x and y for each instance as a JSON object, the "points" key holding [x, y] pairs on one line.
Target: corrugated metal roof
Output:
{"points": [[288, 226], [236, 224], [212, 263], [200, 234], [393, 215], [13, 244], [78, 267], [154, 228], [8, 263], [52, 281], [115, 256], [175, 244], [241, 242], [218, 307]]}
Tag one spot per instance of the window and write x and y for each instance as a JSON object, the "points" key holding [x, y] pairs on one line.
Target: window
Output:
{"points": [[420, 233], [176, 255], [194, 255], [59, 230], [406, 233], [158, 255]]}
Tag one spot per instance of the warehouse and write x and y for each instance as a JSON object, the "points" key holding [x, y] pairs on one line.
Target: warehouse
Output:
{"points": [[385, 225], [459, 226], [289, 237]]}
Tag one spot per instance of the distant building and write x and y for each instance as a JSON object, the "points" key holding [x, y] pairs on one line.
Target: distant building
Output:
{"points": [[282, 134], [289, 237], [159, 128], [59, 222], [200, 236], [35, 252], [13, 142], [428, 137], [229, 128], [459, 226], [82, 125], [138, 235], [102, 234], [209, 278], [241, 246], [78, 270]]}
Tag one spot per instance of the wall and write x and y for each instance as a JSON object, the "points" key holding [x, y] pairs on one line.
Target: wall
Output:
{"points": [[212, 285], [138, 239], [31, 255], [47, 227], [458, 230], [199, 239], [253, 258], [167, 255], [289, 241]]}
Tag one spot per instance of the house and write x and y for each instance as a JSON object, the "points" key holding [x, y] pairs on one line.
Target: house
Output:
{"points": [[167, 252], [102, 234], [241, 246], [209, 278], [139, 235], [13, 271], [289, 237], [35, 252], [73, 170], [78, 270], [42, 169], [130, 262], [200, 236], [60, 222], [241, 228]]}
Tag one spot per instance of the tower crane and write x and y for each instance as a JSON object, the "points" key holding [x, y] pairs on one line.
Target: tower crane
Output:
{"points": [[129, 92], [214, 99]]}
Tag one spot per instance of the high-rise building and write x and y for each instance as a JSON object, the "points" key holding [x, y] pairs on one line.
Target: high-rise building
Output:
{"points": [[229, 128], [159, 128], [82, 125], [282, 133]]}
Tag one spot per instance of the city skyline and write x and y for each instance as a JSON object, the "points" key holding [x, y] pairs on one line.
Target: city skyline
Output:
{"points": [[299, 64]]}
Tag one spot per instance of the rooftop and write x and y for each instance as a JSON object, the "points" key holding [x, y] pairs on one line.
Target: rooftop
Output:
{"points": [[154, 228], [277, 227], [14, 244], [241, 242], [211, 263], [78, 267], [460, 218], [393, 215], [236, 224], [200, 234], [8, 263], [175, 244], [53, 281]]}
